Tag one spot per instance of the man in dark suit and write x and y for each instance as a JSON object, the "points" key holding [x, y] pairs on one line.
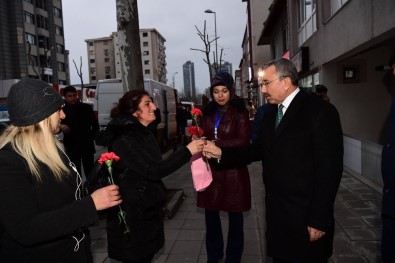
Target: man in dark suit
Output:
{"points": [[79, 128], [300, 144]]}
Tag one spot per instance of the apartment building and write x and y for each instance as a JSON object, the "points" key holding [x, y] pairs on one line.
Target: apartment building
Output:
{"points": [[345, 45], [104, 57], [32, 41]]}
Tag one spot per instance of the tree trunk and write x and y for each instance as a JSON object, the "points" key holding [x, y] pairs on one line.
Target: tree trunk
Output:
{"points": [[129, 45]]}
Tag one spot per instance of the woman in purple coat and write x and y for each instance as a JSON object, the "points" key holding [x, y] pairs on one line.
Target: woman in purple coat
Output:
{"points": [[226, 121]]}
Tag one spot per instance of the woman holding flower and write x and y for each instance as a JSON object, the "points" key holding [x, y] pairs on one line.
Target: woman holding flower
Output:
{"points": [[225, 120], [138, 173], [43, 217]]}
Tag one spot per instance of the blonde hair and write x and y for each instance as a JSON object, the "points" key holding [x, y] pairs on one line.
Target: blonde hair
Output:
{"points": [[37, 143]]}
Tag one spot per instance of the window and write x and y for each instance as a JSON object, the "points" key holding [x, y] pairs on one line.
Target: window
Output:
{"points": [[147, 71], [62, 82], [91, 44], [93, 70], [106, 52], [145, 44], [331, 7], [307, 20], [57, 12], [43, 42], [146, 53], [93, 78], [41, 4], [29, 1], [106, 60], [31, 39], [107, 70], [146, 62], [336, 5], [105, 43], [145, 34], [29, 18], [42, 21], [108, 77], [44, 60], [61, 66], [91, 52], [59, 30], [92, 61], [59, 48]]}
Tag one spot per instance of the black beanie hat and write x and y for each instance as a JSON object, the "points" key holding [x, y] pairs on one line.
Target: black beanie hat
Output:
{"points": [[222, 78], [31, 101]]}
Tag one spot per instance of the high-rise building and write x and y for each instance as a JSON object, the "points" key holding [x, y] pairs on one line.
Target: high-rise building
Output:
{"points": [[32, 42], [225, 66], [188, 70], [105, 60]]}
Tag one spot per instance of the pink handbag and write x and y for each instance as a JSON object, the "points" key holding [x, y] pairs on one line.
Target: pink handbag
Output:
{"points": [[201, 173]]}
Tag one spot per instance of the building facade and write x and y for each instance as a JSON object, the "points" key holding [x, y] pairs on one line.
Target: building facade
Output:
{"points": [[343, 44], [188, 71], [104, 57], [32, 41]]}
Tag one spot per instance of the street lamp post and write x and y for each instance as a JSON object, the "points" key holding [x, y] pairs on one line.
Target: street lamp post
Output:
{"points": [[209, 11], [174, 79]]}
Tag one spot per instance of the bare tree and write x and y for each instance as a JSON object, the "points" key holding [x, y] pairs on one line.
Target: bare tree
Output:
{"points": [[207, 48], [160, 73], [79, 73], [129, 44], [31, 60]]}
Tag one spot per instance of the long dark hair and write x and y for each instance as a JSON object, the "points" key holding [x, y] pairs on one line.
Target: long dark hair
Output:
{"points": [[129, 103]]}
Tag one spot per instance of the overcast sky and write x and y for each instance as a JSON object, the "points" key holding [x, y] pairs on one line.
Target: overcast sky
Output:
{"points": [[175, 20]]}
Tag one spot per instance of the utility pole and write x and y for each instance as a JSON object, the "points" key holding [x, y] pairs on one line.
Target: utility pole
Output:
{"points": [[129, 45]]}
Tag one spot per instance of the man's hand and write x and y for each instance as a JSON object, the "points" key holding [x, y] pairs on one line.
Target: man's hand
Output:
{"points": [[315, 234], [210, 150]]}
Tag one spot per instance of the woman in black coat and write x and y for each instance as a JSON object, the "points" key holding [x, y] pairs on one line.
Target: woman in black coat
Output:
{"points": [[42, 215], [139, 172]]}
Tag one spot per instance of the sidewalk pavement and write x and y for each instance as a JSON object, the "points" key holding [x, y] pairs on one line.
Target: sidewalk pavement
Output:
{"points": [[357, 214]]}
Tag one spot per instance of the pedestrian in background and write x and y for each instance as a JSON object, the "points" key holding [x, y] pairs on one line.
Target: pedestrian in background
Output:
{"points": [[139, 174], [79, 128], [226, 121], [301, 147], [42, 215], [322, 92], [182, 119], [388, 174]]}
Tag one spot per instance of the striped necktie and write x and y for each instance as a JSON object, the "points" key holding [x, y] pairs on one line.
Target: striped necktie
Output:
{"points": [[279, 114]]}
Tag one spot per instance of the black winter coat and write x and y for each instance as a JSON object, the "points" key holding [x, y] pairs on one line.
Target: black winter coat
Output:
{"points": [[83, 125], [38, 220], [302, 163], [141, 187]]}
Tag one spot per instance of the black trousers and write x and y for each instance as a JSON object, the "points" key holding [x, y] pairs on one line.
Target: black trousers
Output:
{"points": [[215, 241]]}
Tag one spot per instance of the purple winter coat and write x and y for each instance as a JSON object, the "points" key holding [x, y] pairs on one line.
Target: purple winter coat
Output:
{"points": [[230, 190]]}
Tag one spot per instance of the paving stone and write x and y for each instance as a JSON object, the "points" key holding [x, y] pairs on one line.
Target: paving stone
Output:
{"points": [[363, 234]]}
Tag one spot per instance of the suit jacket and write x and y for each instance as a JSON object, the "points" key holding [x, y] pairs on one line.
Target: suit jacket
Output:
{"points": [[83, 124], [302, 167]]}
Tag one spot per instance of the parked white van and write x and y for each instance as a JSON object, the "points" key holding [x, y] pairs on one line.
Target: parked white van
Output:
{"points": [[109, 91]]}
